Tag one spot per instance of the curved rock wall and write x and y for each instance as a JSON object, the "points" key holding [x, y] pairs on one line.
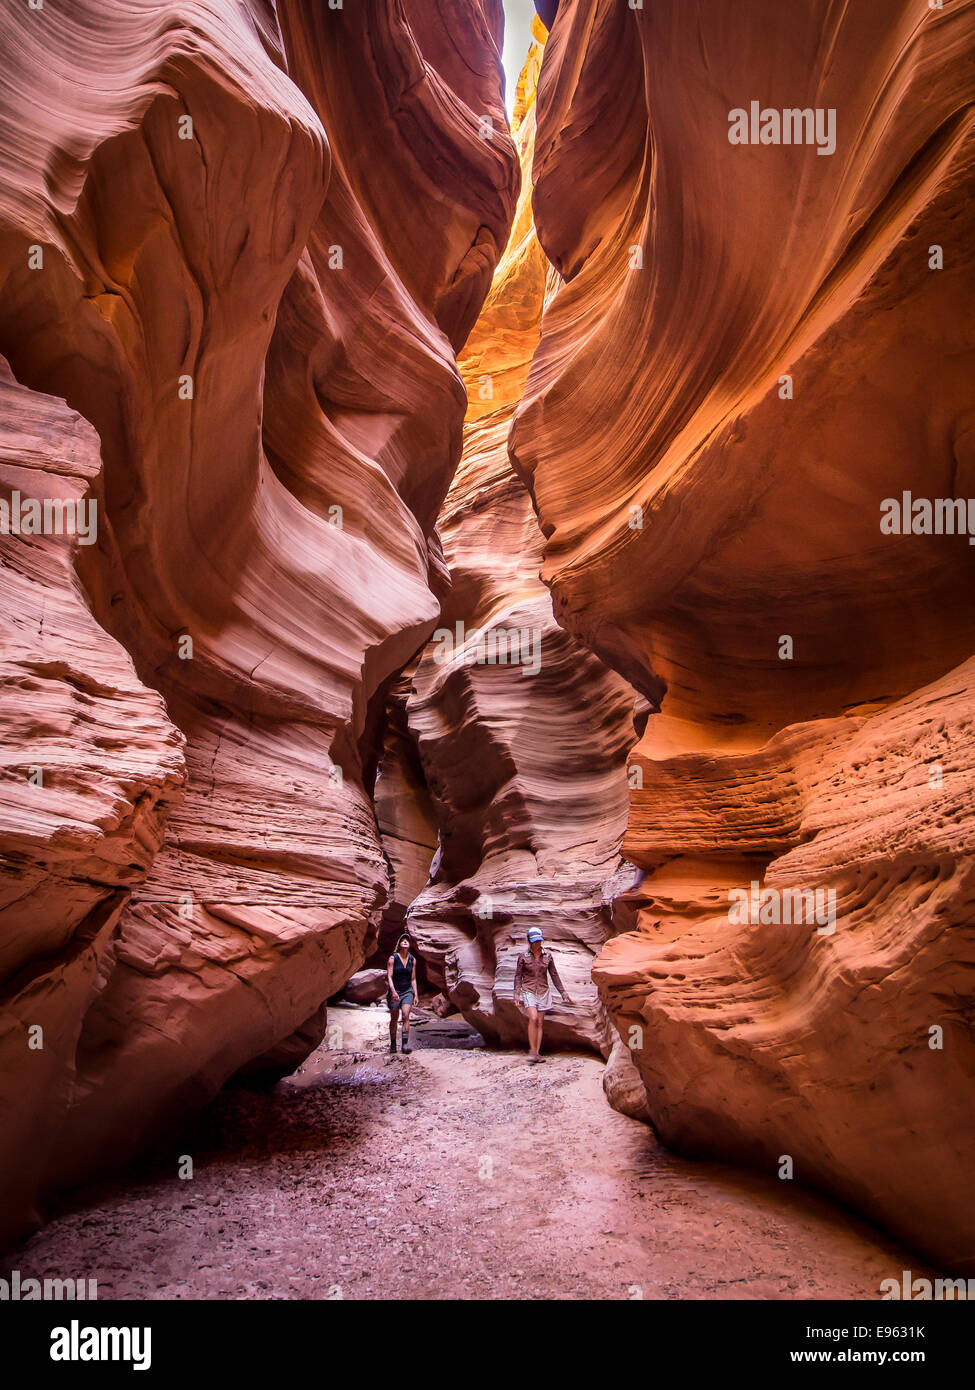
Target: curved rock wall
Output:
{"points": [[196, 252], [522, 744], [758, 344]]}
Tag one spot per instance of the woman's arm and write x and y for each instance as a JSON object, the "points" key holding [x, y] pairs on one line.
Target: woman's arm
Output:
{"points": [[555, 979], [519, 969], [416, 992], [389, 979]]}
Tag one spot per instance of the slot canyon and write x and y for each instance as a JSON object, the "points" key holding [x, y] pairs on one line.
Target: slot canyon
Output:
{"points": [[540, 502]]}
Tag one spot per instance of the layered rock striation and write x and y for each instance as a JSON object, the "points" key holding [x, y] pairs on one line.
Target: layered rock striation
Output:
{"points": [[760, 347], [198, 254]]}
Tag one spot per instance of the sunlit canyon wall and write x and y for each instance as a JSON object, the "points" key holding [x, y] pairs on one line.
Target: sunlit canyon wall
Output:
{"points": [[757, 346], [520, 734]]}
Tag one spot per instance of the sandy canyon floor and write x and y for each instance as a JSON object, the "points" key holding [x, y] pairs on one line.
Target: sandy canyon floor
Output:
{"points": [[454, 1172]]}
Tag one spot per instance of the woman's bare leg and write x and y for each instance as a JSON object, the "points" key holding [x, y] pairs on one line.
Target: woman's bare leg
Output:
{"points": [[533, 1032], [393, 1016], [406, 1025]]}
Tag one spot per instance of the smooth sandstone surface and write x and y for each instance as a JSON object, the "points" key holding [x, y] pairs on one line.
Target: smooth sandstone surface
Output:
{"points": [[698, 510], [267, 358]]}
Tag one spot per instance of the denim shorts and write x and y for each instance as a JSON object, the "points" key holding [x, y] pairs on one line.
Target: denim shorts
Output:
{"points": [[405, 997]]}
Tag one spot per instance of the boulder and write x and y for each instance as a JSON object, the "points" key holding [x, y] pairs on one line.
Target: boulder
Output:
{"points": [[365, 987]]}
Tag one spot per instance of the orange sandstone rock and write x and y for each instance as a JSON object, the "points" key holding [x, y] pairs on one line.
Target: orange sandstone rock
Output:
{"points": [[243, 242], [754, 348]]}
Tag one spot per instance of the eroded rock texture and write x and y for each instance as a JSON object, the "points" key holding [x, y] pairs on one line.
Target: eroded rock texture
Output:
{"points": [[243, 242], [522, 744], [699, 509], [91, 768]]}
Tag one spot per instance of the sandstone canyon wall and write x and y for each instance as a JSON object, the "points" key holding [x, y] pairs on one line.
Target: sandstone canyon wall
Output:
{"points": [[522, 745], [254, 728], [242, 243], [755, 346]]}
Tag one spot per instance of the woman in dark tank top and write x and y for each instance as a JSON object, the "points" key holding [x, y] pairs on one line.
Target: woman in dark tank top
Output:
{"points": [[401, 995]]}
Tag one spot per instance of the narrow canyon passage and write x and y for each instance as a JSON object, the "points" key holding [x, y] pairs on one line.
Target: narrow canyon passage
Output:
{"points": [[456, 477], [456, 1172]]}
